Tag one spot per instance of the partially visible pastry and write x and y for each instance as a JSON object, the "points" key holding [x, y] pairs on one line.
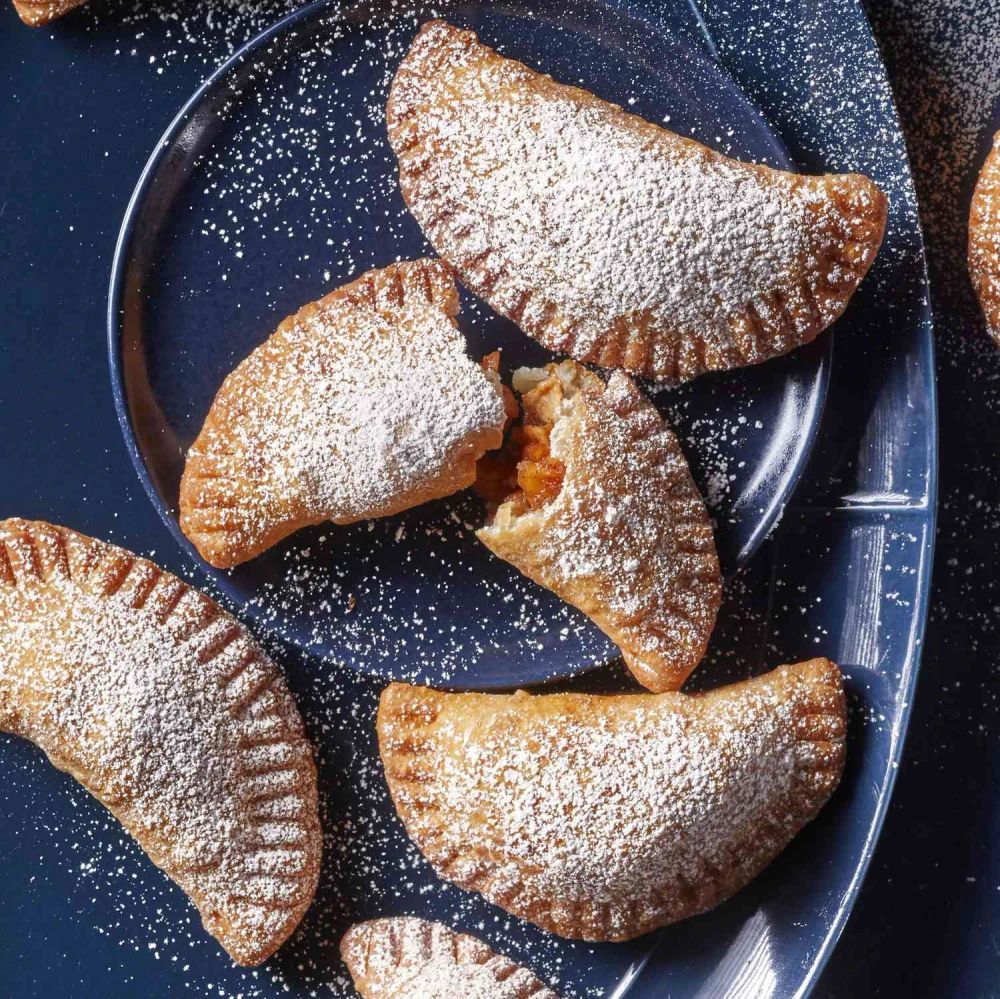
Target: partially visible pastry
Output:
{"points": [[171, 715], [361, 405], [603, 817], [408, 958], [984, 239], [608, 238], [595, 501], [39, 12]]}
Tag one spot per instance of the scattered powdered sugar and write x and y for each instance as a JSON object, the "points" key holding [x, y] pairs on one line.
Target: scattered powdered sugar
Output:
{"points": [[199, 31], [419, 597], [946, 58], [944, 61]]}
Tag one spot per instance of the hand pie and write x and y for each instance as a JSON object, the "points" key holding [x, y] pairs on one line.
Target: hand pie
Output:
{"points": [[361, 405], [602, 817], [984, 239], [168, 712], [601, 509], [409, 958], [38, 12], [609, 238]]}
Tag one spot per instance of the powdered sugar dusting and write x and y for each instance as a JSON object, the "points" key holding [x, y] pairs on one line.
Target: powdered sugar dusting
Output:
{"points": [[605, 810], [170, 714], [558, 806], [573, 202], [410, 958], [361, 405], [984, 239], [627, 538], [535, 189]]}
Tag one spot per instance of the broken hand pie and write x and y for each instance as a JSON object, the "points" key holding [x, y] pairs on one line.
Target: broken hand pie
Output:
{"points": [[984, 239], [361, 405], [605, 514], [604, 817], [169, 713], [410, 958], [608, 238], [38, 12]]}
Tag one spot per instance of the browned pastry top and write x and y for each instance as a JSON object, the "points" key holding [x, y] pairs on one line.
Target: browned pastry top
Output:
{"points": [[361, 405], [627, 538], [39, 12], [984, 239], [409, 958]]}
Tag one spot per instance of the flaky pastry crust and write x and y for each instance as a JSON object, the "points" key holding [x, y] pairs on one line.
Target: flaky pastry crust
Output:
{"points": [[170, 714], [627, 540], [38, 12], [361, 405], [984, 239], [605, 817], [609, 238], [408, 958]]}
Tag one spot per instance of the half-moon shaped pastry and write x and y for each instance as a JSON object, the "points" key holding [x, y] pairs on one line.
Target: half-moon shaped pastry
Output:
{"points": [[409, 958], [602, 817], [361, 405], [609, 238], [169, 713], [602, 510], [38, 12], [984, 239]]}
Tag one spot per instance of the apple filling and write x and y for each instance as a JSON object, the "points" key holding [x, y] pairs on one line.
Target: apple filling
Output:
{"points": [[523, 475]]}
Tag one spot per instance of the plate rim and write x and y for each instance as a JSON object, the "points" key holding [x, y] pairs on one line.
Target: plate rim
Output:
{"points": [[119, 263], [925, 512]]}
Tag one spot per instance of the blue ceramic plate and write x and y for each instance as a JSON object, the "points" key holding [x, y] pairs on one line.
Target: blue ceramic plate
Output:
{"points": [[276, 184]]}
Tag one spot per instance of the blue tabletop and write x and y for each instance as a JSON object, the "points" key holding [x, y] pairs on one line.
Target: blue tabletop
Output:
{"points": [[924, 924], [928, 920]]}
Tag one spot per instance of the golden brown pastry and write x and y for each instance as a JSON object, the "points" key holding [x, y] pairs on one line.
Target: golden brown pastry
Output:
{"points": [[605, 817], [39, 12], [361, 405], [602, 510], [984, 239], [169, 713], [409, 958], [609, 238]]}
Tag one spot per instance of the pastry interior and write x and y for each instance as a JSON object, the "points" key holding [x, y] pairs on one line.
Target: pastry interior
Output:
{"points": [[524, 475]]}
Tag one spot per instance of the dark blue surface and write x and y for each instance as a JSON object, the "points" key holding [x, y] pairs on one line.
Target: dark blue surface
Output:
{"points": [[928, 919], [182, 310], [845, 574]]}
